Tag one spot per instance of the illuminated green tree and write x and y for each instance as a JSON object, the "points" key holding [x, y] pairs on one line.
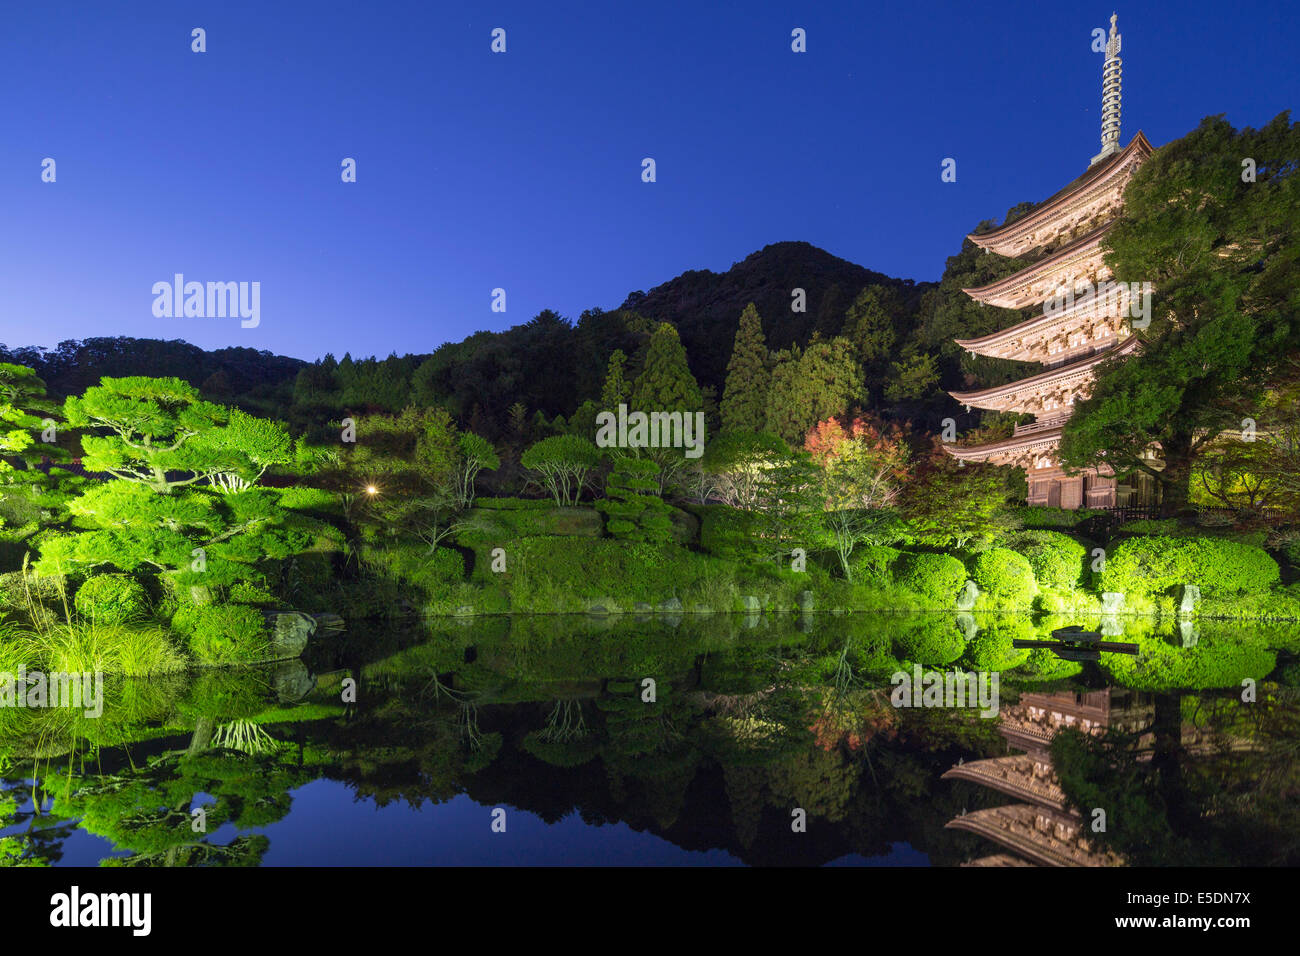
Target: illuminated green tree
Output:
{"points": [[1220, 247], [744, 396]]}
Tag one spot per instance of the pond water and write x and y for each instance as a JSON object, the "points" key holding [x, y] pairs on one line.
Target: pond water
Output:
{"points": [[713, 740]]}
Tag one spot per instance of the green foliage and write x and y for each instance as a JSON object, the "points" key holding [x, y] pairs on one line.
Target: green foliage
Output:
{"points": [[163, 435], [744, 397], [1221, 254], [937, 577], [563, 464], [310, 500], [111, 599], [734, 466], [476, 454], [812, 385], [992, 648], [930, 640], [632, 506], [874, 562], [1218, 566], [913, 377], [616, 390], [1219, 659], [487, 528], [414, 564], [950, 506], [515, 504], [88, 647], [728, 532], [1037, 516], [870, 329], [224, 634], [1176, 528], [1058, 560], [1004, 575], [666, 383]]}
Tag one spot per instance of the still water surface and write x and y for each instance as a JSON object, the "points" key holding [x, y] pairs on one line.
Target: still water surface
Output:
{"points": [[707, 741]]}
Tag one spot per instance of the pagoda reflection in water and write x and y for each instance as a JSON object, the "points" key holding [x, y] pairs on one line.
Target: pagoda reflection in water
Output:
{"points": [[1041, 829]]}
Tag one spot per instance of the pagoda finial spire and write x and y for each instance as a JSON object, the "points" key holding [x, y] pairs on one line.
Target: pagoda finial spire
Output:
{"points": [[1110, 93]]}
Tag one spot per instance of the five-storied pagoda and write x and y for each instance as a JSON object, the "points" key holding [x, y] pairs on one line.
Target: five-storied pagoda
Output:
{"points": [[1063, 236]]}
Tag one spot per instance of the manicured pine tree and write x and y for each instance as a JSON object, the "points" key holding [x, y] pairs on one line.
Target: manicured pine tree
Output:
{"points": [[744, 396], [632, 505]]}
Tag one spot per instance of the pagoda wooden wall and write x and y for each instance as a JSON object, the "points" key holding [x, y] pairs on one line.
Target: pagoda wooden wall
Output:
{"points": [[1072, 492]]}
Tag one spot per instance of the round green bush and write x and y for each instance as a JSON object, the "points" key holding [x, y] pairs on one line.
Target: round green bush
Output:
{"points": [[932, 642], [1005, 575], [873, 562], [111, 599], [993, 648], [225, 633], [1057, 559], [1219, 566], [935, 576]]}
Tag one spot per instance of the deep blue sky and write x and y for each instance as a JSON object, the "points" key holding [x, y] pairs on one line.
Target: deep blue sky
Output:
{"points": [[522, 170]]}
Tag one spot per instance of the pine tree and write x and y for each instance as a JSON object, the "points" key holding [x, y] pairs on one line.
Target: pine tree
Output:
{"points": [[632, 505], [666, 383], [744, 396], [616, 388]]}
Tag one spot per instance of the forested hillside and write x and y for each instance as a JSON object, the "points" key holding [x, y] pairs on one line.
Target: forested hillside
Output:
{"points": [[893, 336]]}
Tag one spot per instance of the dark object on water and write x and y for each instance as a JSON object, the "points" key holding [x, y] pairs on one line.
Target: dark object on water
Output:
{"points": [[1074, 634], [1073, 643]]}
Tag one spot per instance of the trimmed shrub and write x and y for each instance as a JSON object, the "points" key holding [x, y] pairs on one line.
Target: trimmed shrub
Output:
{"points": [[563, 464], [933, 641], [1058, 560], [1173, 528], [1004, 575], [935, 576], [111, 599], [632, 506], [873, 562], [1218, 566], [992, 648], [514, 504], [497, 526], [1041, 517]]}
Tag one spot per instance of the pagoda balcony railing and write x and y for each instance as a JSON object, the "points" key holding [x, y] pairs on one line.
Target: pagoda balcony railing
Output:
{"points": [[1039, 426]]}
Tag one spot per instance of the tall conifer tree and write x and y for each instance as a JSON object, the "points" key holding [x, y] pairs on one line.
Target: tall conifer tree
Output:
{"points": [[666, 383], [744, 396], [616, 387]]}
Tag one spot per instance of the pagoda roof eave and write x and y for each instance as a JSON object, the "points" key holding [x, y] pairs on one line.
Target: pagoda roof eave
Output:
{"points": [[1139, 144], [1061, 371], [1016, 443], [993, 339], [986, 292]]}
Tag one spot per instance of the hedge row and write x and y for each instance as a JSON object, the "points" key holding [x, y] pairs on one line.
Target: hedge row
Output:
{"points": [[1218, 566]]}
